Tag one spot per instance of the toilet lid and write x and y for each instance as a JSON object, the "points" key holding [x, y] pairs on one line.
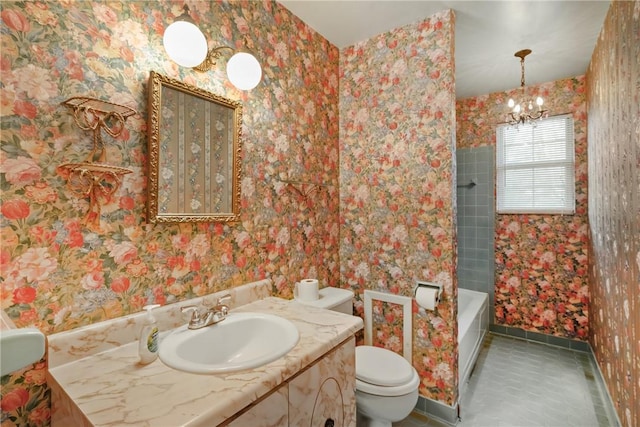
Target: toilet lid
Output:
{"points": [[383, 367]]}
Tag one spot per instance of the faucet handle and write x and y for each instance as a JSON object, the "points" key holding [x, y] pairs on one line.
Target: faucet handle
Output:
{"points": [[195, 313], [224, 299], [222, 304]]}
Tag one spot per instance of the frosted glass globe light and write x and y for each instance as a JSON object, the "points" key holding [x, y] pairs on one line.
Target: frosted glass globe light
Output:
{"points": [[244, 71], [185, 44]]}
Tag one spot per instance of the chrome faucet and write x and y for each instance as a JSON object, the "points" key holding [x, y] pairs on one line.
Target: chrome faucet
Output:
{"points": [[209, 317]]}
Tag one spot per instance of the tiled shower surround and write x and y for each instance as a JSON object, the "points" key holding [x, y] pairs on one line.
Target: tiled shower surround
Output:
{"points": [[476, 220]]}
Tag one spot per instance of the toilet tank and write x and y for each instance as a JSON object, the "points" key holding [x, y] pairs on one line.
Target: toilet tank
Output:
{"points": [[335, 299]]}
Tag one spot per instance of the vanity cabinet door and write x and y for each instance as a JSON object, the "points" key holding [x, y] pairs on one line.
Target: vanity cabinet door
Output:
{"points": [[328, 409], [271, 411], [324, 394]]}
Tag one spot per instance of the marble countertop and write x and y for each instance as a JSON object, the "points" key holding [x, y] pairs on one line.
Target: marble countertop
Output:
{"points": [[110, 388]]}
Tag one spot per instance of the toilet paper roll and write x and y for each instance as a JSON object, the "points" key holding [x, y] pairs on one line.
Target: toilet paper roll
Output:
{"points": [[427, 298], [306, 290]]}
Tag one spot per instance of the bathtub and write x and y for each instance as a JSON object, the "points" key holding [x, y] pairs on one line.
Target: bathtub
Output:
{"points": [[473, 322]]}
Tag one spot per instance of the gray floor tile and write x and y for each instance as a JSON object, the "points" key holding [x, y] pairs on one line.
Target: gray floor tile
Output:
{"points": [[519, 383]]}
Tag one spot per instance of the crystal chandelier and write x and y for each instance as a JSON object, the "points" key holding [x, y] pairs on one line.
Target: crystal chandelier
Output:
{"points": [[526, 110]]}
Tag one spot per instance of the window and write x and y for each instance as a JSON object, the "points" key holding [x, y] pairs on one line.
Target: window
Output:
{"points": [[535, 167]]}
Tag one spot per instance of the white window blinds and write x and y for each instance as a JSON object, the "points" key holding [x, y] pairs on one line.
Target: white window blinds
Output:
{"points": [[535, 167]]}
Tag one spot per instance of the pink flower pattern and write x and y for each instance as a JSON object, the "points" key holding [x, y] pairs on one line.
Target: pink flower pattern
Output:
{"points": [[396, 122], [396, 194], [541, 260], [57, 274]]}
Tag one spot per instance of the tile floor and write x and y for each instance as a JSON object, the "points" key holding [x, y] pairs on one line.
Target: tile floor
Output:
{"points": [[542, 386]]}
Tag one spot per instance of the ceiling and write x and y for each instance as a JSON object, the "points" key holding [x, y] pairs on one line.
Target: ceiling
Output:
{"points": [[561, 34]]}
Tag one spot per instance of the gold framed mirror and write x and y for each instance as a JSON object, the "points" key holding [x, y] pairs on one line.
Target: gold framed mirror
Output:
{"points": [[195, 142]]}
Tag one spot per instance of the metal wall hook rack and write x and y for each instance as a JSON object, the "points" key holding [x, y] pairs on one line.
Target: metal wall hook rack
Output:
{"points": [[94, 178]]}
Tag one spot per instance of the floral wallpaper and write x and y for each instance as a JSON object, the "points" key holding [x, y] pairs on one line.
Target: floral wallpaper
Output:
{"points": [[397, 201], [58, 272], [387, 326], [541, 260], [613, 102], [25, 398], [390, 174]]}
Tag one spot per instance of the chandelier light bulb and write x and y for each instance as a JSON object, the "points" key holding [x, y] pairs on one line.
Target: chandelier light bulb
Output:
{"points": [[185, 44], [524, 111], [244, 71]]}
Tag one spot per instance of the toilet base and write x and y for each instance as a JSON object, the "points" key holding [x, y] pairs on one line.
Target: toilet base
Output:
{"points": [[363, 421], [382, 411]]}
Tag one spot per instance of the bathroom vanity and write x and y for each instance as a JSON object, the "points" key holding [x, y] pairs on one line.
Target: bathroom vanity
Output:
{"points": [[321, 395], [96, 379]]}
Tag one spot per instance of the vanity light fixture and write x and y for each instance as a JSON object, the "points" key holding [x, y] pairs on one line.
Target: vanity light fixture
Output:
{"points": [[187, 46], [184, 42], [523, 111]]}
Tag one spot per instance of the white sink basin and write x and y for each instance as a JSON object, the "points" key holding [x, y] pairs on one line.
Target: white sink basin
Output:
{"points": [[241, 341]]}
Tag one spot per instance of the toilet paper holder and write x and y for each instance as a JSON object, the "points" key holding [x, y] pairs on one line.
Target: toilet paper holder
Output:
{"points": [[428, 285]]}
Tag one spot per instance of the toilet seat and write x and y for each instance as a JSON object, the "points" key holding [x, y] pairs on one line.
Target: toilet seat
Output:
{"points": [[384, 373], [380, 366]]}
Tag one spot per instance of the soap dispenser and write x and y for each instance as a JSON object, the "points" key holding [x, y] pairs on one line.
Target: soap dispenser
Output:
{"points": [[148, 345]]}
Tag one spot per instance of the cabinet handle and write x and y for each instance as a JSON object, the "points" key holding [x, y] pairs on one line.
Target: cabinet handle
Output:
{"points": [[329, 423]]}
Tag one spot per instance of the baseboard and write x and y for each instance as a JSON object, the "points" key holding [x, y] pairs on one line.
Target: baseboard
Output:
{"points": [[541, 338], [609, 407], [438, 410]]}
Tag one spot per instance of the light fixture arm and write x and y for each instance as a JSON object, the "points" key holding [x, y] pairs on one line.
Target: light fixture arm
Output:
{"points": [[212, 57]]}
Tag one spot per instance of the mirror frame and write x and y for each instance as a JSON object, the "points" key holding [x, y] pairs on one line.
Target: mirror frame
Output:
{"points": [[156, 83]]}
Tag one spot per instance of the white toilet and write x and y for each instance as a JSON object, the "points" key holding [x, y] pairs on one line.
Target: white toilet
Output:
{"points": [[386, 384]]}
